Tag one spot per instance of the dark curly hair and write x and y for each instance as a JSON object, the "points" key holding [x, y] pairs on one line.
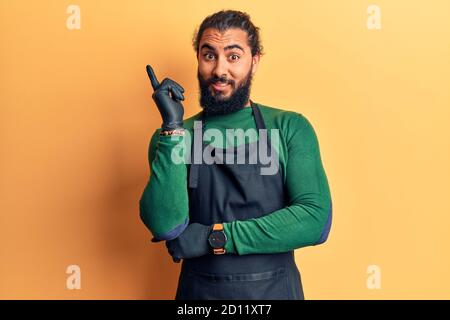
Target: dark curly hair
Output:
{"points": [[227, 19]]}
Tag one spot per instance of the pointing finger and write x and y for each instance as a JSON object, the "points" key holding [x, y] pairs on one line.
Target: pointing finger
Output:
{"points": [[151, 75]]}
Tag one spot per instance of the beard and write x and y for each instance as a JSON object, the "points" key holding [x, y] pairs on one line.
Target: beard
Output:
{"points": [[217, 105]]}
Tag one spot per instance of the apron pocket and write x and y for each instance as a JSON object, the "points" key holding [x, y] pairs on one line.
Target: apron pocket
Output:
{"points": [[269, 285]]}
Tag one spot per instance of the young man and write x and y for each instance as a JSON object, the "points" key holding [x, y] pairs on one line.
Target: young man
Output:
{"points": [[234, 226]]}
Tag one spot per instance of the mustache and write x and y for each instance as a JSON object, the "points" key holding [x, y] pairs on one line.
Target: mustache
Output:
{"points": [[222, 80]]}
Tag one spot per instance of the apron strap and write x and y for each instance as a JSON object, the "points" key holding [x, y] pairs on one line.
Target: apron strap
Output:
{"points": [[193, 175], [195, 167], [258, 117], [260, 121]]}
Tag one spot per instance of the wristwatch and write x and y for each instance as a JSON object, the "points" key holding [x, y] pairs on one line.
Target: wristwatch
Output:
{"points": [[217, 238]]}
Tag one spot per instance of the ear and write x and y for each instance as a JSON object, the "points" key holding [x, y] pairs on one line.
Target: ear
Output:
{"points": [[255, 63]]}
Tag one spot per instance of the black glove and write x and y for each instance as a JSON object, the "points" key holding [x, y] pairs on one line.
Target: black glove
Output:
{"points": [[193, 242], [169, 107]]}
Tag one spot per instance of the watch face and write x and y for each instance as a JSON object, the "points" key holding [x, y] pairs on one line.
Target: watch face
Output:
{"points": [[217, 239]]}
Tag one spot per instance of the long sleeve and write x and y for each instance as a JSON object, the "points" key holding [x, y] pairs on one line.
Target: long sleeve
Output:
{"points": [[307, 219], [163, 206]]}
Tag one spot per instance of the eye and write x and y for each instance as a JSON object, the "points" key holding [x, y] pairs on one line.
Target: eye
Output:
{"points": [[234, 57], [208, 56]]}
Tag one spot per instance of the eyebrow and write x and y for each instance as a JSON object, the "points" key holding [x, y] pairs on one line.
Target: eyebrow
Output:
{"points": [[231, 46]]}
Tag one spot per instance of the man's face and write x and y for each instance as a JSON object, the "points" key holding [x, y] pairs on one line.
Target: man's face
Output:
{"points": [[225, 70]]}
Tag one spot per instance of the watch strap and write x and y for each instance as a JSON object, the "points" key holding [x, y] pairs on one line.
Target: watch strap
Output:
{"points": [[218, 227]]}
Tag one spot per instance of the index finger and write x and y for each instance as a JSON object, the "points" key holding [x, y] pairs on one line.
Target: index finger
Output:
{"points": [[151, 75]]}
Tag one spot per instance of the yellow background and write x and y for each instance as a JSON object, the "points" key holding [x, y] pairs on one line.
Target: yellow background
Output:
{"points": [[76, 118]]}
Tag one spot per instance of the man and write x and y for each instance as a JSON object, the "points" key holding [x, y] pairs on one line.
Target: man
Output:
{"points": [[234, 228]]}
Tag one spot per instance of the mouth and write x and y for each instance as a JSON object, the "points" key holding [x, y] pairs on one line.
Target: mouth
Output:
{"points": [[218, 86]]}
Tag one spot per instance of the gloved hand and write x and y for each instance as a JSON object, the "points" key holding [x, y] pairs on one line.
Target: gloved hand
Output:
{"points": [[169, 107], [193, 242]]}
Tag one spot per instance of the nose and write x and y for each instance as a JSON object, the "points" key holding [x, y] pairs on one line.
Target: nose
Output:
{"points": [[221, 68]]}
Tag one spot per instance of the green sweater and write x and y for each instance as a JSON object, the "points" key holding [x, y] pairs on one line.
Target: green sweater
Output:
{"points": [[306, 221]]}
